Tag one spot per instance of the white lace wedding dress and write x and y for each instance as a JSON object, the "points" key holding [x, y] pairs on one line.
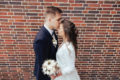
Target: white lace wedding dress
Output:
{"points": [[66, 60]]}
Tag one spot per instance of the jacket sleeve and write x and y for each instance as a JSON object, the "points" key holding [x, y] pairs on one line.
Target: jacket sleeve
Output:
{"points": [[39, 48], [69, 61]]}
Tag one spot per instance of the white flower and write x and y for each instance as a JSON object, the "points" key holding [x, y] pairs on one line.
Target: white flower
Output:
{"points": [[54, 42]]}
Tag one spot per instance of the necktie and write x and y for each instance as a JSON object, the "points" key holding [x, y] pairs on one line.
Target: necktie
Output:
{"points": [[53, 33]]}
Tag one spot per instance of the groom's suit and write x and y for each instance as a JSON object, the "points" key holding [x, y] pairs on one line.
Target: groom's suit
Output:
{"points": [[44, 49]]}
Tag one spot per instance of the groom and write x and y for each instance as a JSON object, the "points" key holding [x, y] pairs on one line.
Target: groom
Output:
{"points": [[46, 42]]}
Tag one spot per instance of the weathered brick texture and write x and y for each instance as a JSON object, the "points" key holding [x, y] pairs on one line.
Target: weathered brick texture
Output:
{"points": [[98, 24]]}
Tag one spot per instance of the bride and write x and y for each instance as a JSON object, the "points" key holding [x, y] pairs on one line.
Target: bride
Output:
{"points": [[66, 53]]}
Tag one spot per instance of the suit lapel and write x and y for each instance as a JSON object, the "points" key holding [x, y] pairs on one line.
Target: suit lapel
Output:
{"points": [[49, 35]]}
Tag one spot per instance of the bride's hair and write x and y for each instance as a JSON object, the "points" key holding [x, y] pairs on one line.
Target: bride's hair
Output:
{"points": [[70, 32]]}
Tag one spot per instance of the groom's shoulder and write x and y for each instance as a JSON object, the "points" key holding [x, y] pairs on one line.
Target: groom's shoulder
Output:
{"points": [[40, 34]]}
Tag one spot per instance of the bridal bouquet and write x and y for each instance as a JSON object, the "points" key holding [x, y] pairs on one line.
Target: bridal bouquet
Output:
{"points": [[50, 67]]}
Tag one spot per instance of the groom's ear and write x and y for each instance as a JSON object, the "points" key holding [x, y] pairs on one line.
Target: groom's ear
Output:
{"points": [[49, 19]]}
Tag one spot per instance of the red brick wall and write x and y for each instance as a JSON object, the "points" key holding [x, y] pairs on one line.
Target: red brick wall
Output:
{"points": [[98, 22]]}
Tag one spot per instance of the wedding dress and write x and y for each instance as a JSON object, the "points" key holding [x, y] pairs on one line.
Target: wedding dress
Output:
{"points": [[66, 60]]}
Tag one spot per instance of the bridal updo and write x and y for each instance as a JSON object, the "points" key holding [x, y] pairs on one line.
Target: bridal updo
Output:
{"points": [[70, 31]]}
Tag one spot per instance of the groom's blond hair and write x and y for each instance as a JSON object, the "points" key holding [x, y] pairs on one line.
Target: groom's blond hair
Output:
{"points": [[52, 10]]}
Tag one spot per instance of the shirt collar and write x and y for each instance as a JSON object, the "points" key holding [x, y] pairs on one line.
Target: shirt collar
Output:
{"points": [[49, 30]]}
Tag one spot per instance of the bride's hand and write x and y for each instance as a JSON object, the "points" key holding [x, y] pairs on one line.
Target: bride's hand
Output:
{"points": [[53, 77], [59, 74]]}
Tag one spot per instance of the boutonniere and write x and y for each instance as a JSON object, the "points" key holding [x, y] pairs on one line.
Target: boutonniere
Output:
{"points": [[54, 42]]}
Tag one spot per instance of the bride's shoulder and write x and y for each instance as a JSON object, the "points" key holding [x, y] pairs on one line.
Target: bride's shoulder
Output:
{"points": [[66, 45], [69, 45]]}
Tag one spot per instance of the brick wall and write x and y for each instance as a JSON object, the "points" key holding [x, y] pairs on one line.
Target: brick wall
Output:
{"points": [[98, 22]]}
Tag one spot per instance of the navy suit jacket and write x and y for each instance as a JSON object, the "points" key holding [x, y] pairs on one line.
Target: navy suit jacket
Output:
{"points": [[44, 49]]}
